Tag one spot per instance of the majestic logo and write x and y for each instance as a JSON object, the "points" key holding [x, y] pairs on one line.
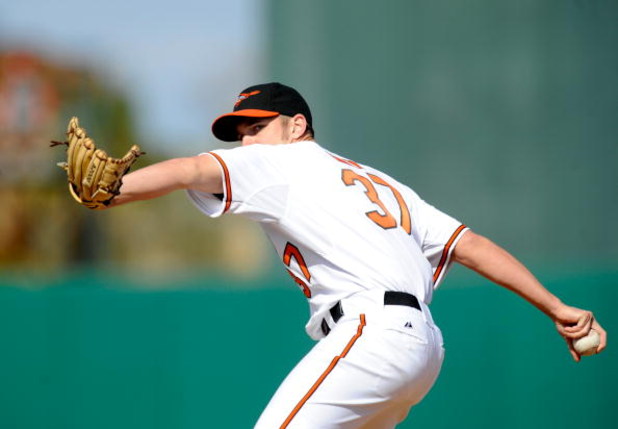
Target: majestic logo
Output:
{"points": [[244, 95]]}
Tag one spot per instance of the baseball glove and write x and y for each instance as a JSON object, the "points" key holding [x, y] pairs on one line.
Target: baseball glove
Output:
{"points": [[94, 177]]}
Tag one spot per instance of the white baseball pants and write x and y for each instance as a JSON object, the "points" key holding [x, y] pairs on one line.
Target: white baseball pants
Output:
{"points": [[376, 363]]}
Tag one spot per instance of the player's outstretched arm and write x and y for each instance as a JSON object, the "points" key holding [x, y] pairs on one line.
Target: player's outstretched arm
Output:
{"points": [[199, 172], [496, 264], [98, 181]]}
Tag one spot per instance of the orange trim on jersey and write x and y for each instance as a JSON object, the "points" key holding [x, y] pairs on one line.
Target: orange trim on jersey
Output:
{"points": [[325, 374], [346, 161], [292, 251], [228, 183], [446, 251]]}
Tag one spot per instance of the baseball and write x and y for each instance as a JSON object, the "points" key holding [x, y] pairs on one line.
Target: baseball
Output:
{"points": [[587, 345]]}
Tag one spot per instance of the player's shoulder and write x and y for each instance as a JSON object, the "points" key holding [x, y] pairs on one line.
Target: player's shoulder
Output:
{"points": [[304, 152], [393, 181], [272, 149], [282, 157]]}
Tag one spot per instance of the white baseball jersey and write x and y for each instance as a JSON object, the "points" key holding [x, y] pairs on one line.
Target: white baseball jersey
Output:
{"points": [[339, 227]]}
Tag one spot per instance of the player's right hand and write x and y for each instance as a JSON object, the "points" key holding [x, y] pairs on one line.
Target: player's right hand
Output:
{"points": [[573, 323]]}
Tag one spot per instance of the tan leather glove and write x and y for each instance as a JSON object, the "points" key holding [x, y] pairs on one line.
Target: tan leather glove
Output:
{"points": [[94, 177]]}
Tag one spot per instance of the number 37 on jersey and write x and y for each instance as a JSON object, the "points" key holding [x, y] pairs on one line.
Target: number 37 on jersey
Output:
{"points": [[381, 217]]}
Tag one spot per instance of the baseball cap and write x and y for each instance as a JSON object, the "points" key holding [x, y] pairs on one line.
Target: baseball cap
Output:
{"points": [[266, 100]]}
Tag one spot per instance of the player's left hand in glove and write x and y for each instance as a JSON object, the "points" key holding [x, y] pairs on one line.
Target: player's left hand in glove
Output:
{"points": [[94, 177]]}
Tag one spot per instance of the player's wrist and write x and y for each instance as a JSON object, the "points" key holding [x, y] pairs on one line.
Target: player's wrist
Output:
{"points": [[555, 308]]}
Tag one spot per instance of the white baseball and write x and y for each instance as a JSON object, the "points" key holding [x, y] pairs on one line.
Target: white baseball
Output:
{"points": [[587, 345]]}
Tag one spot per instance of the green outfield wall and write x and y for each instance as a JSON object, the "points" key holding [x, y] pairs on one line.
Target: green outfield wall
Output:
{"points": [[98, 354], [501, 113]]}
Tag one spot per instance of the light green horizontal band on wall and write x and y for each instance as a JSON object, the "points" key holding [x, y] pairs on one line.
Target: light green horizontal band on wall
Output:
{"points": [[77, 356]]}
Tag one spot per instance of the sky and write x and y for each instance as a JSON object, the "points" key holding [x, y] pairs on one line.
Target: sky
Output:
{"points": [[181, 63]]}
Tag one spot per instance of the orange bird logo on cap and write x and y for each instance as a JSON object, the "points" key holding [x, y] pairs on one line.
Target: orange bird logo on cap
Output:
{"points": [[244, 95]]}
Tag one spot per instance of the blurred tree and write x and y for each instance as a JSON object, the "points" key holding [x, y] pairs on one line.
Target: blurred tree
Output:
{"points": [[41, 227]]}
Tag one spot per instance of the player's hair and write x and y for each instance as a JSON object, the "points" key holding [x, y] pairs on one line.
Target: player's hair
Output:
{"points": [[309, 133]]}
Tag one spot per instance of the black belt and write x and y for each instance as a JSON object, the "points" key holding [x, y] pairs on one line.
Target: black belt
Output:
{"points": [[390, 298]]}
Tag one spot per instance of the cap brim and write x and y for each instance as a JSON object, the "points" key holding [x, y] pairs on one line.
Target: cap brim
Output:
{"points": [[225, 126]]}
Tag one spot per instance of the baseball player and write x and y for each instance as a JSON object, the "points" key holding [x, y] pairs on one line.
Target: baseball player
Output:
{"points": [[365, 250]]}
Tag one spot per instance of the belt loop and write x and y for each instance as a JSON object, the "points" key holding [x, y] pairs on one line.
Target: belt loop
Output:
{"points": [[325, 328], [336, 312]]}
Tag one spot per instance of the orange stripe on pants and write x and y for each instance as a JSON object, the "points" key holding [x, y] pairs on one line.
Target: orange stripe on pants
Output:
{"points": [[332, 365]]}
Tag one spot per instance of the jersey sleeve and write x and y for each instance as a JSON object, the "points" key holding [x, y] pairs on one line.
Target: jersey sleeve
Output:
{"points": [[254, 185], [438, 234]]}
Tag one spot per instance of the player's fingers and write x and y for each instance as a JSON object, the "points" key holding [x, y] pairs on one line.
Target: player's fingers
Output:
{"points": [[602, 335], [581, 328], [562, 329], [568, 334]]}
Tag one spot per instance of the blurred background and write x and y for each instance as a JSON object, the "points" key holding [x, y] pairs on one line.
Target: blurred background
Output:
{"points": [[502, 114]]}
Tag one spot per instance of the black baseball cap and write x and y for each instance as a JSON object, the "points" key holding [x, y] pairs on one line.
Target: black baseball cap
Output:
{"points": [[266, 100]]}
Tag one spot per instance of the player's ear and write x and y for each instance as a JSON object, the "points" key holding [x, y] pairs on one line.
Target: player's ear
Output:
{"points": [[298, 126]]}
